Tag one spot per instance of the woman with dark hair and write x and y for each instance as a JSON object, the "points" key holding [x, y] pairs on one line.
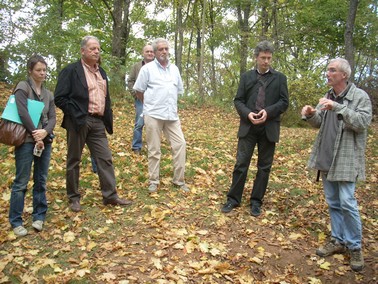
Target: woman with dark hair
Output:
{"points": [[37, 147]]}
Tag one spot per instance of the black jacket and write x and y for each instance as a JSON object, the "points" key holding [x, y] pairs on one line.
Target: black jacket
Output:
{"points": [[276, 102], [72, 97]]}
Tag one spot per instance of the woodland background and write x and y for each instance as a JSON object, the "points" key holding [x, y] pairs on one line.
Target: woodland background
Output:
{"points": [[212, 41]]}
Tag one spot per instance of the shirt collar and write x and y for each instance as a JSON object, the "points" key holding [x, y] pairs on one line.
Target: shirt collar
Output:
{"points": [[92, 69], [342, 94], [266, 72], [161, 66]]}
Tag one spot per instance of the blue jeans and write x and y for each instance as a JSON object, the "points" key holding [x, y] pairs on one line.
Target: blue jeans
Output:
{"points": [[24, 158], [346, 225], [138, 126]]}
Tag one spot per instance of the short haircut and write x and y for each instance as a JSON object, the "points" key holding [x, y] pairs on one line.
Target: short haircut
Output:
{"points": [[157, 41], [343, 66], [87, 38], [33, 60], [263, 46]]}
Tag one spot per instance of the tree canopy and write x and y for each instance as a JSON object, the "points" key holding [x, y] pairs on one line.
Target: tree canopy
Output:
{"points": [[212, 41]]}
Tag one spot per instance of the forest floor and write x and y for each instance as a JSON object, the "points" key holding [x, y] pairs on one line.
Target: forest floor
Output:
{"points": [[176, 237]]}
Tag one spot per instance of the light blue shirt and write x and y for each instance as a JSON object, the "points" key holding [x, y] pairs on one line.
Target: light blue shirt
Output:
{"points": [[161, 87]]}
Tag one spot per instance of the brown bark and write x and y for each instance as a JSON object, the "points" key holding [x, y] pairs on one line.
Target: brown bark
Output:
{"points": [[348, 35], [243, 16]]}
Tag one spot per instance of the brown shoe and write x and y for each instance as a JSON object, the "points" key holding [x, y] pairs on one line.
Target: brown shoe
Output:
{"points": [[331, 248], [356, 259], [75, 206], [117, 201]]}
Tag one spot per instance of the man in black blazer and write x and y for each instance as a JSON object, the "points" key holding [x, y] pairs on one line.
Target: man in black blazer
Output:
{"points": [[261, 98], [82, 94]]}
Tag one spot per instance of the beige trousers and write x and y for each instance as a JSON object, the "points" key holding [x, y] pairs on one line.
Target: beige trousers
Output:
{"points": [[173, 133]]}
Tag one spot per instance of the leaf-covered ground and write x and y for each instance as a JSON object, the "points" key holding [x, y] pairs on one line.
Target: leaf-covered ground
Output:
{"points": [[176, 237]]}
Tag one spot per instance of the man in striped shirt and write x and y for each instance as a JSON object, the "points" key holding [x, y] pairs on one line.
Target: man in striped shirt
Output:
{"points": [[82, 94]]}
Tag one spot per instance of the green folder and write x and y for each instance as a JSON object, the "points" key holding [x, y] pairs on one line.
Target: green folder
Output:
{"points": [[35, 109]]}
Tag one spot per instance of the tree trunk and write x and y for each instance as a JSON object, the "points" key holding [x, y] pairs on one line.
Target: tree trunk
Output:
{"points": [[200, 75], [3, 68], [243, 15], [121, 29], [187, 68], [348, 36], [58, 57], [126, 29], [212, 48], [117, 28], [179, 36], [264, 20]]}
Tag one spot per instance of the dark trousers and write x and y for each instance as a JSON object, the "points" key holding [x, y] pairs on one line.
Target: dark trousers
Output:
{"points": [[93, 134], [246, 146]]}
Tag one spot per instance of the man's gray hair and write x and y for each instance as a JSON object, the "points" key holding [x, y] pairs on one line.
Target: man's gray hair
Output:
{"points": [[87, 38], [157, 41], [263, 46], [343, 66]]}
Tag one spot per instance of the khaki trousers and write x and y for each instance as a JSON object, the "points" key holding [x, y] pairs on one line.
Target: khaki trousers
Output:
{"points": [[173, 133]]}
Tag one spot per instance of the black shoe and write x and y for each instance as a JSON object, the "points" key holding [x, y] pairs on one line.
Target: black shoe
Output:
{"points": [[228, 207], [255, 210]]}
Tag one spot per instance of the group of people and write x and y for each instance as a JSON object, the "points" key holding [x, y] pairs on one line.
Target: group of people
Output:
{"points": [[82, 93], [343, 116]]}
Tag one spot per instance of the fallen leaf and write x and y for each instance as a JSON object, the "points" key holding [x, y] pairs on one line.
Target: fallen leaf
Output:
{"points": [[325, 265], [69, 237]]}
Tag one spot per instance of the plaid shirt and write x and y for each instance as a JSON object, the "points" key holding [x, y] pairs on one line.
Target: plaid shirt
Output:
{"points": [[348, 161]]}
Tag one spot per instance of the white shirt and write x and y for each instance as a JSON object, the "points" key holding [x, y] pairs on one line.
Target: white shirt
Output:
{"points": [[161, 87]]}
